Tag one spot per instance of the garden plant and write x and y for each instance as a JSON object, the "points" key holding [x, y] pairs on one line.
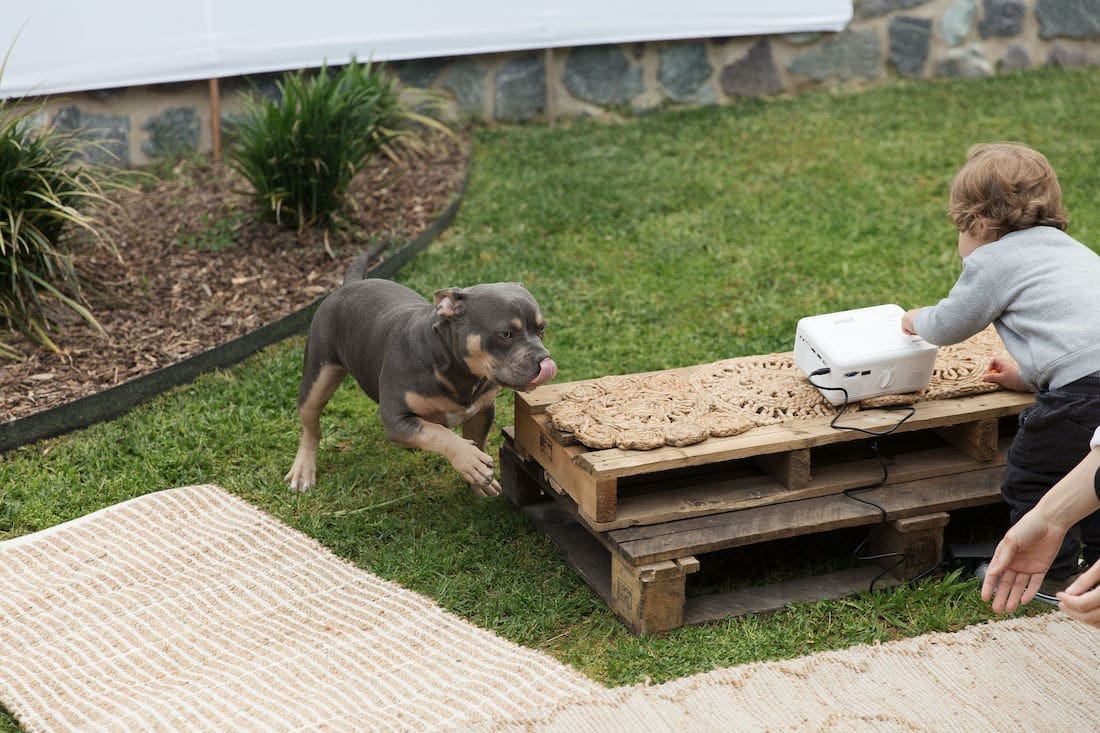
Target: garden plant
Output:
{"points": [[301, 150], [49, 196]]}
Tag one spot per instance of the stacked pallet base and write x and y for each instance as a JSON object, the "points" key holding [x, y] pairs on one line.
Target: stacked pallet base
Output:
{"points": [[635, 524]]}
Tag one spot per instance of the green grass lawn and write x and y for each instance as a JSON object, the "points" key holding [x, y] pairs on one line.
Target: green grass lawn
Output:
{"points": [[680, 237]]}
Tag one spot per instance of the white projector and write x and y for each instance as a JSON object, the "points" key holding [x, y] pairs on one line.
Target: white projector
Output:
{"points": [[865, 351]]}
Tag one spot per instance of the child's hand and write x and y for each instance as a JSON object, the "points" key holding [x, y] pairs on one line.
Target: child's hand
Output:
{"points": [[907, 321], [1006, 373]]}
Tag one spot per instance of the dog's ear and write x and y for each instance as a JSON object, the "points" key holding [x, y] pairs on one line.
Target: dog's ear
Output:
{"points": [[449, 302]]}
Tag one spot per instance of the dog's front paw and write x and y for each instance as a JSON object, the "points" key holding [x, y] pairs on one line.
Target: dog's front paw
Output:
{"points": [[303, 474], [476, 466], [302, 477]]}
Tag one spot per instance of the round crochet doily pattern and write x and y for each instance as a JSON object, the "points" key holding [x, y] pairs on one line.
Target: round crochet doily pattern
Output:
{"points": [[637, 412], [728, 397]]}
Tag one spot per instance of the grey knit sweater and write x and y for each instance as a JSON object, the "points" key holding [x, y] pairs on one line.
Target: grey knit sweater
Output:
{"points": [[1041, 289]]}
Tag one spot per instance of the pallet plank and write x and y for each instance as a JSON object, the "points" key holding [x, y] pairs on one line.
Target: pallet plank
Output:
{"points": [[775, 596], [709, 533], [715, 495], [803, 434], [596, 496]]}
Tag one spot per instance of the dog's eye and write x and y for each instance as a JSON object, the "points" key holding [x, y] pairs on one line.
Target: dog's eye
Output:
{"points": [[505, 334], [540, 329]]}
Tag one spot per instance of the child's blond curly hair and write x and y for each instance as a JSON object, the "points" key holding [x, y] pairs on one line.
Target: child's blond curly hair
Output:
{"points": [[1008, 186]]}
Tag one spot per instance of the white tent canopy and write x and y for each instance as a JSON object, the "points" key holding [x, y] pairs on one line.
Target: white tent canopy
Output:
{"points": [[65, 45]]}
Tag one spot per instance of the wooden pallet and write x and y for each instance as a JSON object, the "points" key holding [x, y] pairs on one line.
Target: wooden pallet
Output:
{"points": [[636, 524], [641, 571], [616, 488]]}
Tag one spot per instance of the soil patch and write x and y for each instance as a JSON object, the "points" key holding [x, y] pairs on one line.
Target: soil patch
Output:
{"points": [[195, 268]]}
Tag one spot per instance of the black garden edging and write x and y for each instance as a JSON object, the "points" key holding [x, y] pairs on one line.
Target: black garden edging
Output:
{"points": [[116, 401]]}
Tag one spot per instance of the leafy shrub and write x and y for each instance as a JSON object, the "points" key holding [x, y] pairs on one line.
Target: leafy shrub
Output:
{"points": [[415, 127], [46, 198], [301, 152]]}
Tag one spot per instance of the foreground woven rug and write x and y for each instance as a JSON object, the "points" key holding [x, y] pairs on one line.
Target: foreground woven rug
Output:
{"points": [[190, 609]]}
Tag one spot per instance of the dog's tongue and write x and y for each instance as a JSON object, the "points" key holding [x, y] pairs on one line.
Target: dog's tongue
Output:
{"points": [[547, 371]]}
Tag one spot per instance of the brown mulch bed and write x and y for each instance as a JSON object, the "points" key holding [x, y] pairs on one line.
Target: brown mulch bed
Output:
{"points": [[177, 287]]}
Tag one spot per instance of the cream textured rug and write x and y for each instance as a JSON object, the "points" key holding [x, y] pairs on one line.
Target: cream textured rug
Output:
{"points": [[190, 609], [1038, 674]]}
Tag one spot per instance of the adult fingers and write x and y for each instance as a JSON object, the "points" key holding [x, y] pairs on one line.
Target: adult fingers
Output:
{"points": [[1086, 581], [1084, 607]]}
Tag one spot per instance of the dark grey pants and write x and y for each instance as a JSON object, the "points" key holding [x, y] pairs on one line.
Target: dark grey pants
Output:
{"points": [[1053, 437]]}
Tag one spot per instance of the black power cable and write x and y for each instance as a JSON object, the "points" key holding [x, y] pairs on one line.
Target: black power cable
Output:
{"points": [[909, 410], [850, 493]]}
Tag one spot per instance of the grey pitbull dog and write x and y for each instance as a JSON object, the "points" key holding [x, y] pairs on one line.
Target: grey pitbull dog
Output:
{"points": [[429, 367]]}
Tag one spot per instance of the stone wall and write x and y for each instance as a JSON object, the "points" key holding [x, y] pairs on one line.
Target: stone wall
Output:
{"points": [[911, 39]]}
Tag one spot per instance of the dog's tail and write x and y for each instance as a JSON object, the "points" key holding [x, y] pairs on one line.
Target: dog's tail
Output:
{"points": [[358, 269]]}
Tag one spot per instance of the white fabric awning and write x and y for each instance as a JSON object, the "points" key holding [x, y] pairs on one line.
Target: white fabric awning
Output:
{"points": [[64, 45]]}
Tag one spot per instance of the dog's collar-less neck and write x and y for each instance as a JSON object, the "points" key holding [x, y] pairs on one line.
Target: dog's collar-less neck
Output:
{"points": [[453, 370]]}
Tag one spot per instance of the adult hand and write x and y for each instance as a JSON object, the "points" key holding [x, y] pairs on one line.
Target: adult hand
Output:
{"points": [[1020, 562], [1081, 600]]}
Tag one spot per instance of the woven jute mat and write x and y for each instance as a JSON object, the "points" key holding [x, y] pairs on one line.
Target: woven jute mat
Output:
{"points": [[190, 609], [731, 396], [1036, 674]]}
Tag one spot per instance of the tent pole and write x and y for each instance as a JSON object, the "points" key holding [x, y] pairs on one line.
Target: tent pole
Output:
{"points": [[215, 122], [548, 64]]}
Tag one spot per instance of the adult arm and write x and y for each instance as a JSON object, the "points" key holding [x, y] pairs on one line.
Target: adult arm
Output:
{"points": [[1023, 557]]}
